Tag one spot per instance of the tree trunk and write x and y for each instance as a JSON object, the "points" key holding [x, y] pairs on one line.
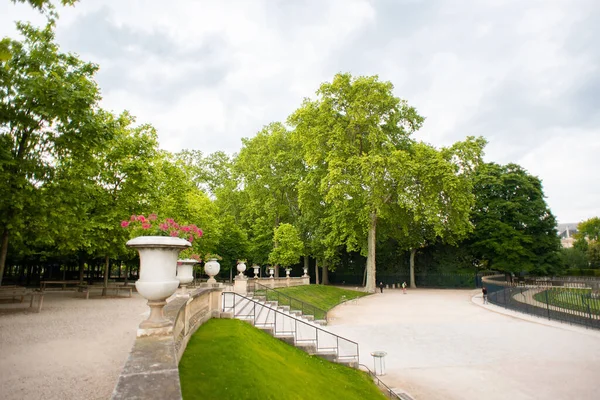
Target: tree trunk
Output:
{"points": [[106, 274], [325, 277], [371, 278], [3, 253], [412, 268], [316, 271]]}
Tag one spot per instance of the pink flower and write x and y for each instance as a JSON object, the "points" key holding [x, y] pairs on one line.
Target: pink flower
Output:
{"points": [[174, 233], [191, 239], [163, 227], [152, 217], [146, 225], [169, 221], [176, 225], [124, 224], [185, 228], [200, 233], [141, 218], [132, 218]]}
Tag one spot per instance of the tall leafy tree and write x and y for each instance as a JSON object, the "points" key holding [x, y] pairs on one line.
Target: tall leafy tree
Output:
{"points": [[355, 136], [434, 200], [289, 246], [48, 103], [514, 228]]}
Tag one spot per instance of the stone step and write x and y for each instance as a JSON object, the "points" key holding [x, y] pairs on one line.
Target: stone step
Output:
{"points": [[289, 339], [296, 312], [309, 317], [320, 322], [327, 355], [284, 308], [310, 348], [266, 329]]}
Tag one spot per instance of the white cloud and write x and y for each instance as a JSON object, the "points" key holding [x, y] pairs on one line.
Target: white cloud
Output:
{"points": [[523, 74]]}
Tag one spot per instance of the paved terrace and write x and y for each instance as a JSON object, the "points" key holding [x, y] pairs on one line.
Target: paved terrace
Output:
{"points": [[74, 349], [442, 344]]}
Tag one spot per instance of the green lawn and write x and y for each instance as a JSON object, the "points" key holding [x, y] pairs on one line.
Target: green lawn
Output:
{"points": [[572, 299], [322, 296], [230, 359]]}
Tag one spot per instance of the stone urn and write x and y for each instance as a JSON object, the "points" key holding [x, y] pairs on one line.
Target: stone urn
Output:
{"points": [[287, 272], [305, 272], [158, 273], [185, 272], [271, 272], [256, 270], [241, 267], [212, 268]]}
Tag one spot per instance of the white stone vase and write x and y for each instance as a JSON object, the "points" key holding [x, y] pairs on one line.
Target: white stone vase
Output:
{"points": [[287, 272], [212, 268], [256, 270], [271, 272], [305, 272], [185, 272], [158, 273], [241, 267]]}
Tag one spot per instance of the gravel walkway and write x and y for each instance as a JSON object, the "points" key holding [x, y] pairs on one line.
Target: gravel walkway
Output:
{"points": [[73, 349], [442, 345]]}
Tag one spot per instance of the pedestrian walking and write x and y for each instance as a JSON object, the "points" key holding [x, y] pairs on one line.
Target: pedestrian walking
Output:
{"points": [[381, 286], [484, 291], [404, 287]]}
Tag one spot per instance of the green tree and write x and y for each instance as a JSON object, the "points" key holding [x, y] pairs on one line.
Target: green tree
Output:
{"points": [[514, 228], [48, 103], [434, 202], [573, 258], [354, 138], [589, 229], [288, 246]]}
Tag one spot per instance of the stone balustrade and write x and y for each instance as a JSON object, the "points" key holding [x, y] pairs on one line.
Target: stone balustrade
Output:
{"points": [[151, 370]]}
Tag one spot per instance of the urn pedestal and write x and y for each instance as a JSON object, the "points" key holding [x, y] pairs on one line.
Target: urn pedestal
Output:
{"points": [[158, 274]]}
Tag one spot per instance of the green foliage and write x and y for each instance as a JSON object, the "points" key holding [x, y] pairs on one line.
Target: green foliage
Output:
{"points": [[573, 258], [589, 229], [514, 228], [288, 246], [244, 365]]}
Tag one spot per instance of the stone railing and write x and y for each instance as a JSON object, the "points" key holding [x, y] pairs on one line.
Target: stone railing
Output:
{"points": [[241, 285], [151, 370]]}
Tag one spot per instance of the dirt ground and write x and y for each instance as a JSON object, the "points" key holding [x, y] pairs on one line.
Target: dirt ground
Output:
{"points": [[73, 349], [444, 344]]}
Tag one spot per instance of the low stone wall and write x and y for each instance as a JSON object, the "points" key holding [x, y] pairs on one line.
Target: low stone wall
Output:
{"points": [[275, 283], [151, 370]]}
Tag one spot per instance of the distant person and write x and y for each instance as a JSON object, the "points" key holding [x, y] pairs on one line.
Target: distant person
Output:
{"points": [[484, 291], [381, 286], [404, 287]]}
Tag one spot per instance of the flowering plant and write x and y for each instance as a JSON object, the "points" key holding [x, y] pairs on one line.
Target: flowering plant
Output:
{"points": [[151, 226], [208, 256], [242, 261]]}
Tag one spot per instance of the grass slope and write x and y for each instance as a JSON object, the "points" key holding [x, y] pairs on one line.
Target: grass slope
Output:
{"points": [[572, 299], [230, 359], [322, 296]]}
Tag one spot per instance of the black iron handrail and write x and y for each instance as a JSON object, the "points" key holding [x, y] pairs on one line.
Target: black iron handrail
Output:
{"points": [[298, 323], [390, 393], [295, 304]]}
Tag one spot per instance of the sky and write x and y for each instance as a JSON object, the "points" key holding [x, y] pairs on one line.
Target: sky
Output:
{"points": [[524, 74]]}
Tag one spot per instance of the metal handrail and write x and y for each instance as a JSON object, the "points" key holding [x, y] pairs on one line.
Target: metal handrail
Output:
{"points": [[390, 392], [292, 330], [304, 306]]}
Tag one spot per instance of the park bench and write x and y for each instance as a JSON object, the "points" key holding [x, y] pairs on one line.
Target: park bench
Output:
{"points": [[86, 289], [45, 284], [14, 292]]}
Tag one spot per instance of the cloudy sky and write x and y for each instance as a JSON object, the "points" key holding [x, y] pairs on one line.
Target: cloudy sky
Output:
{"points": [[524, 74]]}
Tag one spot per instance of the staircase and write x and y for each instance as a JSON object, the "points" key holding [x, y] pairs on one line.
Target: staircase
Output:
{"points": [[291, 327]]}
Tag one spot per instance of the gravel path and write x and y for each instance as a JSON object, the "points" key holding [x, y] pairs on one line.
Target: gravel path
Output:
{"points": [[73, 349], [442, 345]]}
